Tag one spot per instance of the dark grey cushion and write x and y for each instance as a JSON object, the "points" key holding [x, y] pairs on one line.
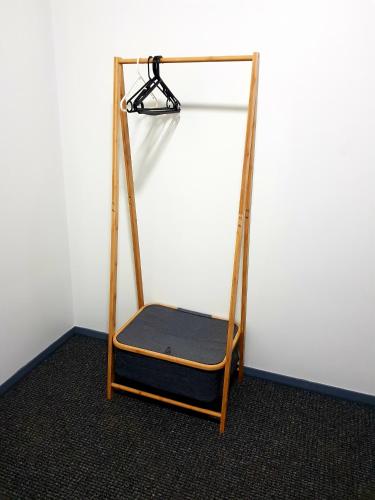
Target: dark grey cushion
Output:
{"points": [[178, 332]]}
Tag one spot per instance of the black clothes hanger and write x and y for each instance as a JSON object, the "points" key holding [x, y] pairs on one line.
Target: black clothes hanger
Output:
{"points": [[135, 103]]}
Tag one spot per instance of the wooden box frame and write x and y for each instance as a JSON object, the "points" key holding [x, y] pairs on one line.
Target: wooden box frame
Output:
{"points": [[241, 242]]}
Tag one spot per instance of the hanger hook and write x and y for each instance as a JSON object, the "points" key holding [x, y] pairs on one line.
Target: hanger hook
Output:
{"points": [[148, 66], [156, 65], [138, 70]]}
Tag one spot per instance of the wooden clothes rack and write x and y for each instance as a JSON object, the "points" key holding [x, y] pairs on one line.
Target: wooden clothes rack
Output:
{"points": [[241, 242]]}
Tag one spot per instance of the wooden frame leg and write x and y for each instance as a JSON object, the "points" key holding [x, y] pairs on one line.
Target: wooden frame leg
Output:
{"points": [[114, 228], [131, 196], [248, 199], [228, 362], [244, 299], [242, 237]]}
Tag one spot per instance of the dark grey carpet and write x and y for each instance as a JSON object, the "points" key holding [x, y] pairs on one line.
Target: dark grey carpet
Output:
{"points": [[60, 439]]}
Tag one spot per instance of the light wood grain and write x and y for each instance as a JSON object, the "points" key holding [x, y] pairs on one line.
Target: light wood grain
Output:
{"points": [[114, 228], [131, 195], [247, 202], [199, 59], [174, 402], [241, 243], [239, 237]]}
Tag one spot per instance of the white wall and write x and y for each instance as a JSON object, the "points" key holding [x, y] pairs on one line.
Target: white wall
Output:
{"points": [[312, 287], [35, 292]]}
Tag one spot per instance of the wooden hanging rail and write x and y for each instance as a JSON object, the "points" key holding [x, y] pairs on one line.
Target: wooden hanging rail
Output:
{"points": [[241, 250], [144, 60]]}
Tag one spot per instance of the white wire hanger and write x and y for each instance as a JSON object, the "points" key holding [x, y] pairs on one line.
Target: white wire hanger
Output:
{"points": [[143, 81]]}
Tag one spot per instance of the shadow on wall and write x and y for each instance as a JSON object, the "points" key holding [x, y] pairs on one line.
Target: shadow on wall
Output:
{"points": [[159, 130], [198, 106]]}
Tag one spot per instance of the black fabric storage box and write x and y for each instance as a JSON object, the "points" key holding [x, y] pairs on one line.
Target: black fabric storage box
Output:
{"points": [[182, 334]]}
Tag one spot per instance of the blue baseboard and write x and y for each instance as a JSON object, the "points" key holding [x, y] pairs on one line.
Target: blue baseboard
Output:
{"points": [[87, 332], [275, 377], [250, 372], [36, 361], [298, 383]]}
